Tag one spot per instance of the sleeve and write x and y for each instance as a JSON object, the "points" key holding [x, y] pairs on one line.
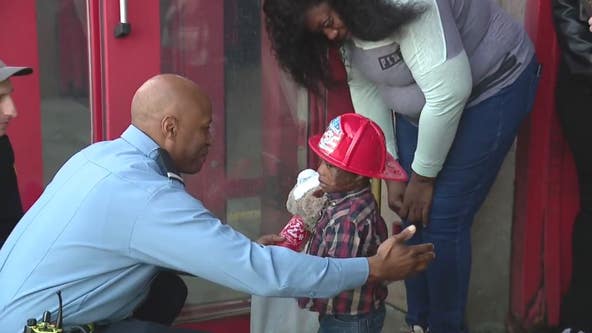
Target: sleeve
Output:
{"points": [[177, 232], [572, 33], [434, 54], [367, 101]]}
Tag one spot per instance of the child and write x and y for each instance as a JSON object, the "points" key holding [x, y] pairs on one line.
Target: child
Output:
{"points": [[352, 150]]}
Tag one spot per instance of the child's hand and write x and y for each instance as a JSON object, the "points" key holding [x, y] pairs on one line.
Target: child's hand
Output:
{"points": [[270, 239]]}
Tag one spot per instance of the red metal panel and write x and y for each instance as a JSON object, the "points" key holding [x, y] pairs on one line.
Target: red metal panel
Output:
{"points": [[128, 61], [234, 324], [95, 64], [18, 33], [545, 192]]}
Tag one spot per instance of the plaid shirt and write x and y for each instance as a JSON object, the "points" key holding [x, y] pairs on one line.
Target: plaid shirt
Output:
{"points": [[350, 226]]}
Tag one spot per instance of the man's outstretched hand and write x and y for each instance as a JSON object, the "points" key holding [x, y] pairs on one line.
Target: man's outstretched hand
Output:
{"points": [[396, 261]]}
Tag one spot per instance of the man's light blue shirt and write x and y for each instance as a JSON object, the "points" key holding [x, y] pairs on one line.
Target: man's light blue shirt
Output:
{"points": [[110, 219]]}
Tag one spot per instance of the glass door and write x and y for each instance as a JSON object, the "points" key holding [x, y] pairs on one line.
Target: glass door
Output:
{"points": [[260, 123], [64, 81], [260, 117]]}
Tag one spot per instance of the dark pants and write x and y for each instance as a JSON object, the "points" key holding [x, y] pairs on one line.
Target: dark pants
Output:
{"points": [[10, 201], [574, 107], [159, 310]]}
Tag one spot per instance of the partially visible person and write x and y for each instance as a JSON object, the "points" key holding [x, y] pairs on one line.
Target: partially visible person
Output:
{"points": [[574, 107], [460, 76], [10, 201], [352, 150], [116, 223]]}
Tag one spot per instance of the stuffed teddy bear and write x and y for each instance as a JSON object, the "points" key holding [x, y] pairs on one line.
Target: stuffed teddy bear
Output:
{"points": [[306, 202]]}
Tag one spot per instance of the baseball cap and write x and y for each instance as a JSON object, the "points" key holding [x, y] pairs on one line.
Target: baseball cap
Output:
{"points": [[8, 71]]}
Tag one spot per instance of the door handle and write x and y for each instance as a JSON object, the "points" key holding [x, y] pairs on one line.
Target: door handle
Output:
{"points": [[123, 28]]}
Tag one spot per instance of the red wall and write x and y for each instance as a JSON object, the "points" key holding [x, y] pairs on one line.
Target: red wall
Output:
{"points": [[546, 193], [18, 46]]}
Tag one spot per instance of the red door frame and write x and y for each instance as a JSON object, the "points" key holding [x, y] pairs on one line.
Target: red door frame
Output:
{"points": [[18, 33], [546, 192]]}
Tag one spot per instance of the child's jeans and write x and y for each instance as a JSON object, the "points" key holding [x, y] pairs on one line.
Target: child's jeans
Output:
{"points": [[363, 323]]}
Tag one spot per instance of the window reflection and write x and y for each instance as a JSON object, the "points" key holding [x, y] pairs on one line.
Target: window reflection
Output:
{"points": [[63, 73], [260, 118]]}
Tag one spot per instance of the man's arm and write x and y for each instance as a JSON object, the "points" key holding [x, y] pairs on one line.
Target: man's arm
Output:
{"points": [[177, 232]]}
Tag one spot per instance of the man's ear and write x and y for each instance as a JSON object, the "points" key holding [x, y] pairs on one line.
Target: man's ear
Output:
{"points": [[169, 126]]}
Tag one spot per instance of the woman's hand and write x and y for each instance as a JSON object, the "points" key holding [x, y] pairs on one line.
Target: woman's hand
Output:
{"points": [[590, 23], [270, 239], [418, 197], [413, 201]]}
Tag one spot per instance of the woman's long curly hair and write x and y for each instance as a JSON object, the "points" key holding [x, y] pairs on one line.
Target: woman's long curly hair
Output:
{"points": [[303, 53]]}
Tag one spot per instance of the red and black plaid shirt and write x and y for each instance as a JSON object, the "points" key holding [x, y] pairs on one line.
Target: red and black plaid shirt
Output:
{"points": [[350, 226]]}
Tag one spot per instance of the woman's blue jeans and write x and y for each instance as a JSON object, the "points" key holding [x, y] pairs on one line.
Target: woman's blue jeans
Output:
{"points": [[437, 298]]}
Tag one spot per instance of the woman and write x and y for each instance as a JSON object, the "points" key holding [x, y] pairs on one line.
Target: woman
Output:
{"points": [[460, 76]]}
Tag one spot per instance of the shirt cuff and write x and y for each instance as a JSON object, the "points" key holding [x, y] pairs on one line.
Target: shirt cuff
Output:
{"points": [[425, 170], [356, 272]]}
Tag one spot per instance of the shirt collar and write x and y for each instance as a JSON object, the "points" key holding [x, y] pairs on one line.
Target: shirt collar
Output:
{"points": [[338, 197], [367, 45], [141, 141]]}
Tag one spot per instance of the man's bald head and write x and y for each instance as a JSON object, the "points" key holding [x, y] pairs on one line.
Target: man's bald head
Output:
{"points": [[175, 113], [163, 95]]}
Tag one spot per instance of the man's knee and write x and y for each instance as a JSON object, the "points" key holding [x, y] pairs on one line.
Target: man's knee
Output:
{"points": [[165, 299]]}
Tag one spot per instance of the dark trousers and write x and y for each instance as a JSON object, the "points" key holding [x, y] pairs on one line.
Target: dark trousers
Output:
{"points": [[10, 201], [574, 107], [164, 302]]}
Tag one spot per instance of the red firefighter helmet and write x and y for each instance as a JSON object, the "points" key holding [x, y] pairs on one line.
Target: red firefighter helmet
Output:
{"points": [[356, 144]]}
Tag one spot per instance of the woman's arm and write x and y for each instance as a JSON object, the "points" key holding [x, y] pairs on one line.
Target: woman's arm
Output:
{"points": [[440, 67], [367, 101]]}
